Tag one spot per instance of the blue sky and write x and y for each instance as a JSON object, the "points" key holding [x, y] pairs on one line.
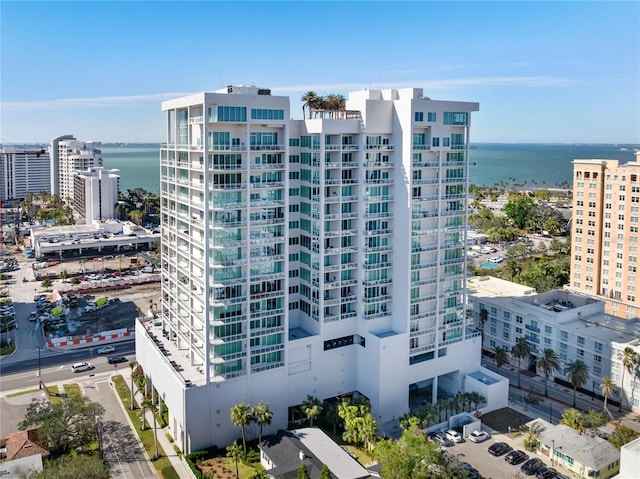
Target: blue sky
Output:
{"points": [[541, 71]]}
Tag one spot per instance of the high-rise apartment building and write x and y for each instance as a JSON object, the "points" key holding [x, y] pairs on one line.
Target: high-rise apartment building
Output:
{"points": [[322, 256], [96, 194], [604, 240], [23, 170], [69, 155]]}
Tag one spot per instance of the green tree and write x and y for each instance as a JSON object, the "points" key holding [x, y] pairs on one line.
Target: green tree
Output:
{"points": [[594, 419], [67, 425], [303, 473], [622, 435], [241, 417], [411, 457], [259, 474], [520, 209], [578, 374], [359, 424], [501, 356], [573, 418], [73, 466], [311, 101], [234, 451], [607, 388], [532, 397], [482, 317], [262, 415], [521, 350], [629, 359], [312, 408], [325, 473], [549, 362], [137, 216]]}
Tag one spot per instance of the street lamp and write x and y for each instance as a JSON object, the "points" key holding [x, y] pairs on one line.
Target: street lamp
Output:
{"points": [[39, 348], [553, 449]]}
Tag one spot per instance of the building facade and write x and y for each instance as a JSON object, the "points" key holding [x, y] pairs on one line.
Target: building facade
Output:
{"points": [[604, 239], [627, 382], [322, 256], [96, 194], [23, 170], [69, 155], [574, 325]]}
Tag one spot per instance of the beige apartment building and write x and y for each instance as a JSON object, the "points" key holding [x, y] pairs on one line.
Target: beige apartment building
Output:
{"points": [[604, 241]]}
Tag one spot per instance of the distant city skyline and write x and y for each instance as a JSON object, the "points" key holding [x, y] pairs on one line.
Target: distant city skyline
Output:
{"points": [[552, 72]]}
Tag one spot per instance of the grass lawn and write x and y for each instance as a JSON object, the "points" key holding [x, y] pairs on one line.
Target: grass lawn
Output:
{"points": [[72, 390], [360, 456], [146, 437], [7, 349], [20, 393], [501, 419]]}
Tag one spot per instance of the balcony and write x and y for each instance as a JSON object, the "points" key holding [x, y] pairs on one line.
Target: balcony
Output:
{"points": [[267, 147], [421, 147], [378, 147], [532, 328]]}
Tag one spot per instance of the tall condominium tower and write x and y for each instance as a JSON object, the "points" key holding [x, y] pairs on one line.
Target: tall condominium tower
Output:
{"points": [[96, 193], [69, 155], [23, 170], [604, 239], [322, 256]]}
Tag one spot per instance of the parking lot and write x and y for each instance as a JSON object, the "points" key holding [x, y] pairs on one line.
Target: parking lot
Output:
{"points": [[488, 465]]}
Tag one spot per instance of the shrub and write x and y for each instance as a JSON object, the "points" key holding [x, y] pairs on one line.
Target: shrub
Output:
{"points": [[169, 437]]}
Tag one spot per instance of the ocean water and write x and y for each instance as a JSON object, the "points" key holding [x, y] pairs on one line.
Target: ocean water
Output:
{"points": [[537, 164]]}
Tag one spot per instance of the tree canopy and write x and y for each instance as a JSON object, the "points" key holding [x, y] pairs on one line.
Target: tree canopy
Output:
{"points": [[73, 467], [67, 425]]}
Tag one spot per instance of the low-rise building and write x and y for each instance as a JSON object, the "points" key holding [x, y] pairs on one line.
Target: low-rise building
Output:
{"points": [[628, 382], [583, 455], [96, 193], [629, 460], [282, 453], [574, 325]]}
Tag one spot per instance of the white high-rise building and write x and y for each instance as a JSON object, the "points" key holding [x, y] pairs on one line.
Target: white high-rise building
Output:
{"points": [[322, 256], [69, 155], [96, 194], [23, 169]]}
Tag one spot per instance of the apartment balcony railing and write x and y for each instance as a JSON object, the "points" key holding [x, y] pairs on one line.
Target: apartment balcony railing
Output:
{"points": [[532, 328], [386, 231], [377, 265], [376, 299], [532, 338], [421, 147], [229, 186], [378, 164], [267, 147], [267, 166], [221, 147], [378, 147]]}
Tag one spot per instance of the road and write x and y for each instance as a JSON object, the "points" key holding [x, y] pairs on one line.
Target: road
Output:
{"points": [[24, 375]]}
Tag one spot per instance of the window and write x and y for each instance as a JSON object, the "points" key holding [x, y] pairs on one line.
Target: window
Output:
{"points": [[419, 116], [435, 141], [455, 118], [431, 116], [232, 113], [266, 114], [507, 315]]}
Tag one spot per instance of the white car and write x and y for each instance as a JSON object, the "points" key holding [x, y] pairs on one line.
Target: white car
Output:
{"points": [[106, 350], [478, 436], [453, 435]]}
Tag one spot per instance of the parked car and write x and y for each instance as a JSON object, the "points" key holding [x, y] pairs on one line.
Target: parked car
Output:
{"points": [[546, 473], [453, 435], [531, 466], [106, 350], [499, 449], [478, 436], [116, 359], [442, 439], [33, 315], [83, 366], [516, 457]]}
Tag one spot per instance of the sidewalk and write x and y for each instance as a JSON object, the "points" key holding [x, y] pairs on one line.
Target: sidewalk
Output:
{"points": [[178, 463], [552, 407]]}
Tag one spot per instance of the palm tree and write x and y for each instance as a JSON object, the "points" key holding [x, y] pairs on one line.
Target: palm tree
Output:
{"points": [[137, 216], [312, 408], [521, 350], [241, 417], [482, 317], [549, 362], [310, 100], [262, 415], [235, 452], [578, 373], [573, 418], [607, 388], [501, 356], [629, 360]]}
